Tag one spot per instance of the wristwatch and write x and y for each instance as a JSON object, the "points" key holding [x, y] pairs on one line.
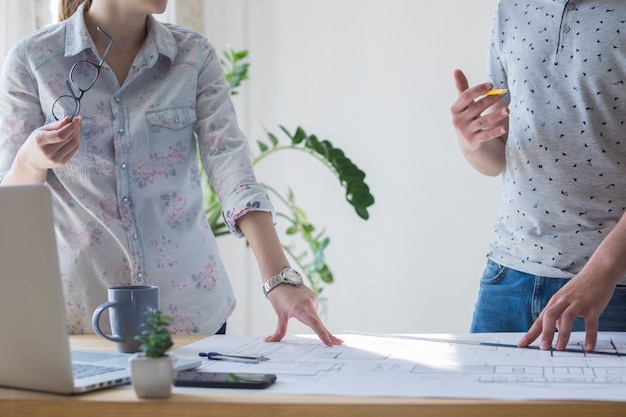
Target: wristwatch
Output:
{"points": [[287, 276]]}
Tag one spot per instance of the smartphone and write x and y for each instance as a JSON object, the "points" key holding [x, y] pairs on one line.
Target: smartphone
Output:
{"points": [[196, 378]]}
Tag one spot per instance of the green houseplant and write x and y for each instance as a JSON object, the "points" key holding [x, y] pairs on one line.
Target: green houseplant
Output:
{"points": [[152, 371], [155, 338], [308, 243]]}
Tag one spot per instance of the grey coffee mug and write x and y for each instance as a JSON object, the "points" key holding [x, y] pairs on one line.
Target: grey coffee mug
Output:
{"points": [[127, 307]]}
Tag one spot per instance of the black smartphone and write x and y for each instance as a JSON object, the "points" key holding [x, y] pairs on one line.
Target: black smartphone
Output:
{"points": [[196, 378]]}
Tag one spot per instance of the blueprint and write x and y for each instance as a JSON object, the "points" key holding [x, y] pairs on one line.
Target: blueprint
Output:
{"points": [[480, 366]]}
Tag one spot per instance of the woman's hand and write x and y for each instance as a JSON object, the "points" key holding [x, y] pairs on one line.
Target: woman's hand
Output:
{"points": [[47, 147], [300, 303], [288, 300]]}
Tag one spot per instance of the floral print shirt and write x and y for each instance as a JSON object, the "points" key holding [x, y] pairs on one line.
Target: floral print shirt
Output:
{"points": [[564, 186], [129, 205]]}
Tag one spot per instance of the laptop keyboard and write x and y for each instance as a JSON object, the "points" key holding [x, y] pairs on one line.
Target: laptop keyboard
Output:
{"points": [[83, 370]]}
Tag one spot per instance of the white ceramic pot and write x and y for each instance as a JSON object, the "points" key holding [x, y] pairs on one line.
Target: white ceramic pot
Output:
{"points": [[152, 377]]}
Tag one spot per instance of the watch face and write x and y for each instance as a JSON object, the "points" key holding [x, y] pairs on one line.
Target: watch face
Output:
{"points": [[292, 276]]}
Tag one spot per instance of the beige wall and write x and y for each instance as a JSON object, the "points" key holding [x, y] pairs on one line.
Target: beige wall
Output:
{"points": [[190, 13]]}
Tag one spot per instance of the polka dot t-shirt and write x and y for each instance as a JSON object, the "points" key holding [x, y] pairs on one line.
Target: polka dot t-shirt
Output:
{"points": [[564, 185]]}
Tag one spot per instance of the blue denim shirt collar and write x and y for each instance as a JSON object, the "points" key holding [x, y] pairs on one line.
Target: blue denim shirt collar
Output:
{"points": [[77, 37]]}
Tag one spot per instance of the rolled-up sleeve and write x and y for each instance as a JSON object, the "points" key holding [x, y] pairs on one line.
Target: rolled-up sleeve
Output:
{"points": [[223, 147]]}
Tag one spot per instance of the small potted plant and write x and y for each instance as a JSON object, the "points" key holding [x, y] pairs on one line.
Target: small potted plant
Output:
{"points": [[152, 371]]}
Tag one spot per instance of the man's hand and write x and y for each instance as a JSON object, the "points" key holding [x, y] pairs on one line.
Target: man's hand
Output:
{"points": [[583, 296], [481, 124]]}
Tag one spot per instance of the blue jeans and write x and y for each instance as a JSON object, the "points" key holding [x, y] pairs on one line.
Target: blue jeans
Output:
{"points": [[511, 301]]}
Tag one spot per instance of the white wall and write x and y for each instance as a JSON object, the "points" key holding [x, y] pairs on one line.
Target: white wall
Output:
{"points": [[374, 77], [17, 20]]}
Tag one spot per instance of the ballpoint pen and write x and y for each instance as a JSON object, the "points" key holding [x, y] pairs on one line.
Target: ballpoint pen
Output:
{"points": [[233, 358]]}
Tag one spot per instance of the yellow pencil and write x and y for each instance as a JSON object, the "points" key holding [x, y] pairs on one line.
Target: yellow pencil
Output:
{"points": [[497, 92]]}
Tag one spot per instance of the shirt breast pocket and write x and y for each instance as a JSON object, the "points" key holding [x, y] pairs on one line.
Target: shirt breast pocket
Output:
{"points": [[171, 130]]}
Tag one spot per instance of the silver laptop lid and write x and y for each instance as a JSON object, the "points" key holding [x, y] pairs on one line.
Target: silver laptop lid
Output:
{"points": [[35, 350]]}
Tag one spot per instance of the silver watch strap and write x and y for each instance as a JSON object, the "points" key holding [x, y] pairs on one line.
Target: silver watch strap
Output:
{"points": [[272, 283]]}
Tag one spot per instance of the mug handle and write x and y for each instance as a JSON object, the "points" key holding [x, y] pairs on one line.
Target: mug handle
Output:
{"points": [[95, 322]]}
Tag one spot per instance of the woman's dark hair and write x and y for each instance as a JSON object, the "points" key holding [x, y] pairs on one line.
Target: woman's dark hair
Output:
{"points": [[68, 7]]}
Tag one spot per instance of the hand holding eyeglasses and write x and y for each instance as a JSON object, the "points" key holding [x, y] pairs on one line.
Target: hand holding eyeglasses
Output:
{"points": [[54, 144], [47, 147]]}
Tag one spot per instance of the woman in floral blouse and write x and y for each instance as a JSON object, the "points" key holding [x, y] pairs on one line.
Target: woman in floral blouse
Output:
{"points": [[108, 107]]}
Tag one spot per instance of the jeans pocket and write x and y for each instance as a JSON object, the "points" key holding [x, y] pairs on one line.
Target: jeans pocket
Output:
{"points": [[613, 318], [493, 273], [620, 289]]}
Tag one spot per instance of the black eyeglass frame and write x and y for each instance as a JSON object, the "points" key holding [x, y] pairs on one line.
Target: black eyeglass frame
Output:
{"points": [[70, 82]]}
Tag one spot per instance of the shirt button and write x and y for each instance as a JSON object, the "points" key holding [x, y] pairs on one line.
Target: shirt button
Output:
{"points": [[176, 120], [135, 236], [117, 99], [120, 131], [139, 275], [125, 201], [571, 6], [566, 29], [123, 166]]}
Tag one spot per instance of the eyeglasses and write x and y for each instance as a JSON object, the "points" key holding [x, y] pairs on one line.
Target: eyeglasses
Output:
{"points": [[83, 76]]}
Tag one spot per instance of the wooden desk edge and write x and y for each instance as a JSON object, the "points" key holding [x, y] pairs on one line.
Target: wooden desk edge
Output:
{"points": [[240, 405]]}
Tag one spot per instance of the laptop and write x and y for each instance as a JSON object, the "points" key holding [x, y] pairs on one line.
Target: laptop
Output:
{"points": [[35, 351]]}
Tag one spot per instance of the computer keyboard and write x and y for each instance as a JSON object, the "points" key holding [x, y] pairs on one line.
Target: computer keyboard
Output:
{"points": [[83, 370]]}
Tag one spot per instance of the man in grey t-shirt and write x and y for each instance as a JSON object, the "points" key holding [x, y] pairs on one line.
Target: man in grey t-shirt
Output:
{"points": [[557, 136]]}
